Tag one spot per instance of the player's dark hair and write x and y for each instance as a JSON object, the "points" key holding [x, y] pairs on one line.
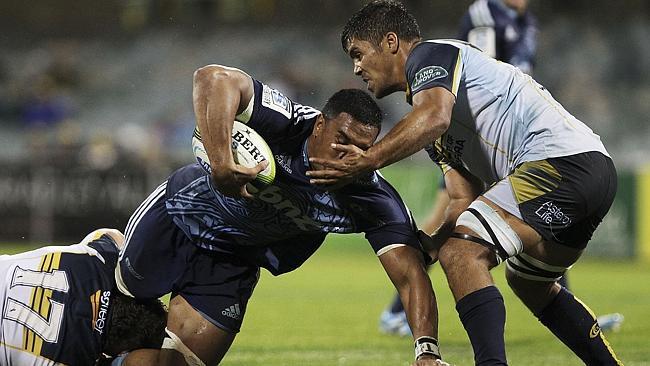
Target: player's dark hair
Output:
{"points": [[134, 323], [355, 102], [377, 18]]}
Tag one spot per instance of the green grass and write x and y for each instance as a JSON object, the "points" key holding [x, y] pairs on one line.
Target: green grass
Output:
{"points": [[326, 313]]}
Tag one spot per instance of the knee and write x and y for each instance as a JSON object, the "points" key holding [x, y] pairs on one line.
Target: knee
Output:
{"points": [[456, 255]]}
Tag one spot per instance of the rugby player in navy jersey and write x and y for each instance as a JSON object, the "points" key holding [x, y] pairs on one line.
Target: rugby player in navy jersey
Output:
{"points": [[504, 29], [528, 182], [60, 306], [204, 238]]}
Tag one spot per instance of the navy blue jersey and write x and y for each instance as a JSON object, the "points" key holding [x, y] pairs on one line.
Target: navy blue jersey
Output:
{"points": [[290, 215], [57, 303], [501, 32], [431, 65]]}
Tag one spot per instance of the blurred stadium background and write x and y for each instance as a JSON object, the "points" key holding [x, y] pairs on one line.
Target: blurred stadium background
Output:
{"points": [[95, 110]]}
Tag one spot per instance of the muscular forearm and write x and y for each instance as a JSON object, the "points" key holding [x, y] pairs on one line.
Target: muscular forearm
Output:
{"points": [[420, 305], [407, 271], [414, 132], [218, 95], [427, 121]]}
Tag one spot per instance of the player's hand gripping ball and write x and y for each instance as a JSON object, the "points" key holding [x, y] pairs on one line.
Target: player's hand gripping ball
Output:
{"points": [[248, 149]]}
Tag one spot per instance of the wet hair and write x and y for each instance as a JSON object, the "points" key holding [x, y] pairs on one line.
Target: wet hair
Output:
{"points": [[377, 18], [355, 102], [134, 324]]}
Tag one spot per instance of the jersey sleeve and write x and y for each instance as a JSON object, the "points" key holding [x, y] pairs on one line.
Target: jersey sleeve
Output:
{"points": [[276, 117], [433, 65], [107, 248], [382, 215]]}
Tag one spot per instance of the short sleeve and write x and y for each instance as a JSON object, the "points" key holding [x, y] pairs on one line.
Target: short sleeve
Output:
{"points": [[381, 214], [391, 234], [276, 117], [432, 65], [107, 248]]}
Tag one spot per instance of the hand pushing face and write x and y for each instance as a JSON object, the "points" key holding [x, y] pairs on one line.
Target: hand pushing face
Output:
{"points": [[335, 139]]}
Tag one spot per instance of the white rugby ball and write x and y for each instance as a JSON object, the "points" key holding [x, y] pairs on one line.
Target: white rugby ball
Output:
{"points": [[248, 149]]}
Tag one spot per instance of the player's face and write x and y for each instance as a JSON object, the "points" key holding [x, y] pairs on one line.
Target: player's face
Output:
{"points": [[519, 5], [343, 129], [375, 65]]}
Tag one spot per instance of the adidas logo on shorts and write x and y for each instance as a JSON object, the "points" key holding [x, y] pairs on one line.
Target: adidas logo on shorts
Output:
{"points": [[232, 312]]}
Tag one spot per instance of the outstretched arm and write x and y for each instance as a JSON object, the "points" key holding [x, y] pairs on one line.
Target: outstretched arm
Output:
{"points": [[220, 93], [426, 122], [406, 269]]}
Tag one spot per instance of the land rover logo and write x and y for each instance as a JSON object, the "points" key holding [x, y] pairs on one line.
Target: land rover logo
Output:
{"points": [[427, 74]]}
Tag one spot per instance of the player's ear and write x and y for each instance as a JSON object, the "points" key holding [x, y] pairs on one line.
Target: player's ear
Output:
{"points": [[319, 125], [391, 42]]}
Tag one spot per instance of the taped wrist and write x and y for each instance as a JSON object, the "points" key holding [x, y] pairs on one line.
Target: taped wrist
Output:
{"points": [[427, 346]]}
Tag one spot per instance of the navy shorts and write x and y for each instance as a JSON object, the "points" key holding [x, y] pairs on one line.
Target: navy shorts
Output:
{"points": [[564, 199], [158, 259]]}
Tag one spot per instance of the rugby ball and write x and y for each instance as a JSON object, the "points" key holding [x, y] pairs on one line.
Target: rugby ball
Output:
{"points": [[248, 149]]}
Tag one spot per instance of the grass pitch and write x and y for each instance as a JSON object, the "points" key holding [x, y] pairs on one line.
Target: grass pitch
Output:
{"points": [[326, 312]]}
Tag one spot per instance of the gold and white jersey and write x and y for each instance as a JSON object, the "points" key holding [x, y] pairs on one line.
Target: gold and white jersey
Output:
{"points": [[55, 303], [502, 117]]}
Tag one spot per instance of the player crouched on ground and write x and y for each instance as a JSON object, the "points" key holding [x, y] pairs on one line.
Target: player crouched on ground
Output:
{"points": [[60, 306]]}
